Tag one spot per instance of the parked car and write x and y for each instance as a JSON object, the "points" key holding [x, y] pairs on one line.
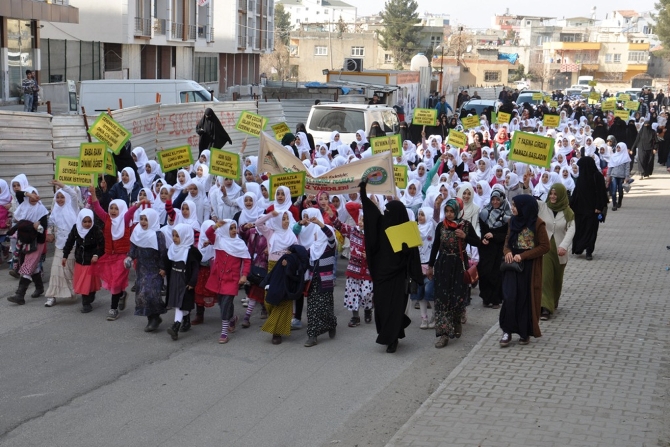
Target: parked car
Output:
{"points": [[478, 104], [633, 96], [347, 119], [527, 96], [582, 87]]}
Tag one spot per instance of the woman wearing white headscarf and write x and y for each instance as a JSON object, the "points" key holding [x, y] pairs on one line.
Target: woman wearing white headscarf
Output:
{"points": [[482, 193], [302, 144], [31, 227], [140, 158], [567, 180], [361, 143], [618, 173], [64, 211], [470, 211], [147, 248]]}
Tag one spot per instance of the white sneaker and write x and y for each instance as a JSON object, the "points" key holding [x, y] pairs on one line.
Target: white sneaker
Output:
{"points": [[296, 324], [431, 323], [424, 323], [50, 302], [245, 302]]}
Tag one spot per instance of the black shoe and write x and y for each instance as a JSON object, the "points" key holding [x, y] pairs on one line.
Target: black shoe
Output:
{"points": [[163, 290], [134, 288], [186, 323], [392, 347], [154, 322], [613, 207], [86, 308], [355, 321], [39, 285], [174, 330], [332, 332], [122, 301], [589, 258], [368, 315]]}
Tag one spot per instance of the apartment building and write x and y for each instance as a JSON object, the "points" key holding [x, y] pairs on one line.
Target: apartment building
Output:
{"points": [[318, 11], [20, 43], [217, 43]]}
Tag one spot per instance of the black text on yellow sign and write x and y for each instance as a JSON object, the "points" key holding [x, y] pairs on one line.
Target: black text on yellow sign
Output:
{"points": [[471, 121], [67, 172], [280, 129], [251, 124], [92, 158], [531, 149], [551, 120], [108, 131], [294, 181], [392, 143], [175, 158], [424, 117], [225, 164], [457, 139], [400, 176], [110, 165]]}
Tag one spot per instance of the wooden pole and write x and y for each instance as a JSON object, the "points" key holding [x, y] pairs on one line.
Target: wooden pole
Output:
{"points": [[83, 112]]}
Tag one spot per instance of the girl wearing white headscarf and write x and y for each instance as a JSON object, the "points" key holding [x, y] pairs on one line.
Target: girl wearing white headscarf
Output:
{"points": [[140, 158], [183, 181], [319, 239], [152, 172], [543, 187], [232, 263], [302, 144], [203, 296], [182, 266], [202, 178], [482, 193], [276, 227], [483, 172], [127, 188], [147, 249], [618, 171], [412, 199], [32, 220], [203, 160], [425, 291], [567, 180], [63, 218], [337, 145], [223, 202], [361, 144], [145, 200]]}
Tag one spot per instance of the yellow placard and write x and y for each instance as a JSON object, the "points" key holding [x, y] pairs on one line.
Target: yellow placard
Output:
{"points": [[280, 129], [623, 114], [551, 120], [457, 139], [225, 164], [405, 233], [470, 121], [553, 103], [593, 83], [531, 149], [537, 96], [175, 158], [594, 96], [396, 145], [547, 98], [108, 131], [92, 158], [67, 172], [400, 176], [251, 124], [631, 105], [110, 165], [504, 118], [425, 117], [608, 105], [294, 181], [623, 97]]}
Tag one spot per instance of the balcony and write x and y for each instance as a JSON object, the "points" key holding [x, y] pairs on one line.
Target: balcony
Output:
{"points": [[159, 27], [242, 41], [571, 46], [206, 32], [142, 27], [242, 5], [192, 32], [632, 66], [177, 31]]}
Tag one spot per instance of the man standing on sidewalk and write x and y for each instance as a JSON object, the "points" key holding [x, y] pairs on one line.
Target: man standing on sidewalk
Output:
{"points": [[28, 87]]}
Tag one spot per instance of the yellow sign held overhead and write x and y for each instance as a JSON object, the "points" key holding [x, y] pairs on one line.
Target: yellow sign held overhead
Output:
{"points": [[225, 164], [594, 96], [400, 175], [457, 139], [280, 129], [623, 97], [396, 145], [251, 124], [294, 181], [425, 117], [175, 158], [553, 103], [391, 143], [504, 118], [631, 105], [110, 165], [623, 114], [67, 172], [531, 149], [537, 96], [547, 98], [92, 158], [593, 83], [470, 121], [108, 131], [608, 105], [551, 120]]}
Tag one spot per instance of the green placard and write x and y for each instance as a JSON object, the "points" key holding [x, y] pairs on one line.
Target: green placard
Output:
{"points": [[92, 158], [108, 131], [531, 149], [67, 172], [294, 181], [425, 117], [175, 158]]}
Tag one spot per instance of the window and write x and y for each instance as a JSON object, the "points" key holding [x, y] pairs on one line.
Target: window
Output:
{"points": [[206, 69], [388, 58], [320, 51], [491, 76], [297, 20], [195, 96], [637, 56], [358, 51], [435, 41], [325, 11], [608, 58], [617, 58], [344, 121]]}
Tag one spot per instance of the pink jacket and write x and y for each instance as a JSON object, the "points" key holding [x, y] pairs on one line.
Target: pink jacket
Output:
{"points": [[225, 271]]}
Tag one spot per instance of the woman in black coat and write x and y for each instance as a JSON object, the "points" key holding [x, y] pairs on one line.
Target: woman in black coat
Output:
{"points": [[588, 201], [388, 269], [631, 135], [211, 131], [646, 143]]}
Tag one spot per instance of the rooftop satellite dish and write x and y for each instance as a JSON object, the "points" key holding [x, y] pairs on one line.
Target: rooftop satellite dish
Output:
{"points": [[468, 49]]}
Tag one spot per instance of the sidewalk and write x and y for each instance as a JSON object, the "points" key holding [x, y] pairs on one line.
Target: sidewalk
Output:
{"points": [[599, 375]]}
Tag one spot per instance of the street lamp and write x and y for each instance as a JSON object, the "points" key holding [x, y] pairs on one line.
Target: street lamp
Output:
{"points": [[441, 49]]}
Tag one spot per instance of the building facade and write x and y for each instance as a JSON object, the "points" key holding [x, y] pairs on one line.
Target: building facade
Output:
{"points": [[327, 12]]}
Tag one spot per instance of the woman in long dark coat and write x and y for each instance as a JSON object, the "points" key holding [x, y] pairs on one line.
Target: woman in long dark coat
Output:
{"points": [[631, 135], [588, 200], [211, 131], [388, 269], [493, 223], [646, 145]]}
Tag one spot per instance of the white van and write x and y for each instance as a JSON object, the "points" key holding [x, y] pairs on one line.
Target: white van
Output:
{"points": [[100, 95], [348, 119]]}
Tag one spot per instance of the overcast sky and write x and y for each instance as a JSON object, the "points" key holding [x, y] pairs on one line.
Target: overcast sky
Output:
{"points": [[464, 13]]}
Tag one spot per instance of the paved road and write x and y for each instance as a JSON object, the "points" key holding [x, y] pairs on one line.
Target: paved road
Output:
{"points": [[78, 380], [599, 376]]}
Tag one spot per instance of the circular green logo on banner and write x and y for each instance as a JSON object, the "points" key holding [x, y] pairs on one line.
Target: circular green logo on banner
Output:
{"points": [[376, 175]]}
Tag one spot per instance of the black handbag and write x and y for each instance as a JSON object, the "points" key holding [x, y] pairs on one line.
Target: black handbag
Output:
{"points": [[257, 274], [516, 267], [411, 287]]}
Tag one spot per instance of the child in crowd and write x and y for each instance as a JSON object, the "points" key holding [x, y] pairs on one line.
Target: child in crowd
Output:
{"points": [[425, 291], [203, 296]]}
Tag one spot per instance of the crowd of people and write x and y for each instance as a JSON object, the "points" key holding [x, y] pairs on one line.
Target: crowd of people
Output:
{"points": [[196, 240]]}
